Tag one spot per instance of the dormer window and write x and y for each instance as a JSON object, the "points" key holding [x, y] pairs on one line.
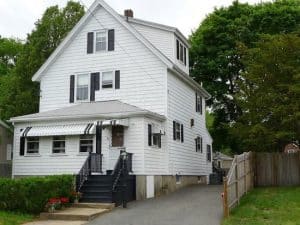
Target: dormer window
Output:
{"points": [[82, 87], [101, 41], [181, 52]]}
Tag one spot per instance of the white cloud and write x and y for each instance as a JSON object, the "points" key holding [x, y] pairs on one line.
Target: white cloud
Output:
{"points": [[21, 15]]}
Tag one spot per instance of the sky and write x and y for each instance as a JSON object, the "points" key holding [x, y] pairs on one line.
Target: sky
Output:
{"points": [[18, 16]]}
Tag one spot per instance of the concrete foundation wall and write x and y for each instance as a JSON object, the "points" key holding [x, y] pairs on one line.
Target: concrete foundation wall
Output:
{"points": [[165, 184]]}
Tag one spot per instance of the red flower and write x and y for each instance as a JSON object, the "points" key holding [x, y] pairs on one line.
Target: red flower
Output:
{"points": [[54, 200], [64, 200]]}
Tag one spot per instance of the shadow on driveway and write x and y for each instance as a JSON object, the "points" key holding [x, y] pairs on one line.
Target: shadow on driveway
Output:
{"points": [[194, 205]]}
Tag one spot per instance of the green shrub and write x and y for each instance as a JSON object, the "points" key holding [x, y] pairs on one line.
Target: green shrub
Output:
{"points": [[30, 195]]}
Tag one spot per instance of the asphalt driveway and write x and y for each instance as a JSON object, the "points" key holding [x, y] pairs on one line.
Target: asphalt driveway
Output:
{"points": [[195, 205]]}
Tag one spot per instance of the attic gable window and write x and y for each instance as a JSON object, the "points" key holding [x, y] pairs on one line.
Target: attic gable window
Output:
{"points": [[82, 87], [101, 41]]}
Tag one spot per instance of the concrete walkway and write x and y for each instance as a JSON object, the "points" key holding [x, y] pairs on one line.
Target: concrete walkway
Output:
{"points": [[195, 205]]}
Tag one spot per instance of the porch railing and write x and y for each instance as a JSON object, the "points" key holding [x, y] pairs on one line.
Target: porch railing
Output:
{"points": [[92, 164]]}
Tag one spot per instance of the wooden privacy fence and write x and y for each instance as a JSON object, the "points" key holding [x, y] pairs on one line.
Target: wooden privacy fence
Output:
{"points": [[259, 170], [277, 169], [238, 181]]}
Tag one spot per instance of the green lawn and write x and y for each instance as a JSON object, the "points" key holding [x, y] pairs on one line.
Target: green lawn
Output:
{"points": [[9, 218], [267, 206]]}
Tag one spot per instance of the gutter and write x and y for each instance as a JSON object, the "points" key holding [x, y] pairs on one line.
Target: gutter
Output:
{"points": [[90, 116]]}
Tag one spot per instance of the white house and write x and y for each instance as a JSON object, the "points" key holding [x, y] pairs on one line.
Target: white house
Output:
{"points": [[116, 82]]}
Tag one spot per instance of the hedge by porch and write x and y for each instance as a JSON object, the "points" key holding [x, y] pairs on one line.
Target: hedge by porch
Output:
{"points": [[30, 195]]}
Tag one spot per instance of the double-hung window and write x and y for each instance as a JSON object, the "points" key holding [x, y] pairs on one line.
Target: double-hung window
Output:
{"points": [[198, 144], [82, 87], [107, 80], [208, 153], [86, 143], [101, 41], [59, 145], [33, 145], [198, 103], [181, 52]]}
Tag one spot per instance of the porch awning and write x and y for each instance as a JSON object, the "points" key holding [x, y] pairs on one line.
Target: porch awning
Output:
{"points": [[55, 130], [120, 122]]}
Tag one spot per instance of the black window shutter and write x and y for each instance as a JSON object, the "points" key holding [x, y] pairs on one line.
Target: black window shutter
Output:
{"points": [[196, 140], [177, 49], [174, 130], [184, 56], [182, 138], [201, 105], [149, 134], [97, 81], [72, 84], [117, 79], [159, 141], [92, 87], [22, 146], [196, 102], [95, 85], [201, 147], [90, 42], [111, 40]]}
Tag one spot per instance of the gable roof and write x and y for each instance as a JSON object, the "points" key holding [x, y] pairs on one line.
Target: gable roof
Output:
{"points": [[136, 34], [79, 25], [158, 26], [103, 109]]}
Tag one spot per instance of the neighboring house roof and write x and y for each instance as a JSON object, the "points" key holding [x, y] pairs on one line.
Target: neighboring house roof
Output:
{"points": [[131, 29], [221, 156], [104, 109], [3, 124]]}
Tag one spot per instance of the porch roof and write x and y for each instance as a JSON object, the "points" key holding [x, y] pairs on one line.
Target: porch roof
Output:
{"points": [[89, 110]]}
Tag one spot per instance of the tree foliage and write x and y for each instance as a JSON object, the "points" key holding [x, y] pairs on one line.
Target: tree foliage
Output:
{"points": [[18, 94], [269, 94], [215, 59], [9, 52]]}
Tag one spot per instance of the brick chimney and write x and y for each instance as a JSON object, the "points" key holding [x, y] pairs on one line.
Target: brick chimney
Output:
{"points": [[128, 13]]}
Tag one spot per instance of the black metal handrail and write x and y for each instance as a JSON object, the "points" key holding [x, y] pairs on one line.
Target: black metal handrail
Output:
{"points": [[92, 164]]}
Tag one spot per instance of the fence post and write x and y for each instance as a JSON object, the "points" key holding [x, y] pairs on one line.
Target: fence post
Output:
{"points": [[237, 180], [245, 173], [225, 198]]}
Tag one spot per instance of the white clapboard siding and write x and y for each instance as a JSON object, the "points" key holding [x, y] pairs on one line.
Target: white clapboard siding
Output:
{"points": [[72, 161], [143, 75], [163, 40], [156, 159], [183, 158]]}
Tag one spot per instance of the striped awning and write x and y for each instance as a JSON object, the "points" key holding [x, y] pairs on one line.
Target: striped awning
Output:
{"points": [[55, 130], [120, 122]]}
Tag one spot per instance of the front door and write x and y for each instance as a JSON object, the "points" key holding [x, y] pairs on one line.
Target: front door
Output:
{"points": [[117, 144]]}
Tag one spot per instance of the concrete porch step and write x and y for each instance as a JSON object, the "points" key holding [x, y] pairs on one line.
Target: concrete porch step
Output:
{"points": [[74, 213], [109, 206]]}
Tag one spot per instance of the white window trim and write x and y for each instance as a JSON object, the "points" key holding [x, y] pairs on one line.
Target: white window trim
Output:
{"points": [[64, 153], [32, 154], [89, 87], [186, 49], [177, 122], [201, 144], [113, 80], [95, 38], [93, 147]]}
